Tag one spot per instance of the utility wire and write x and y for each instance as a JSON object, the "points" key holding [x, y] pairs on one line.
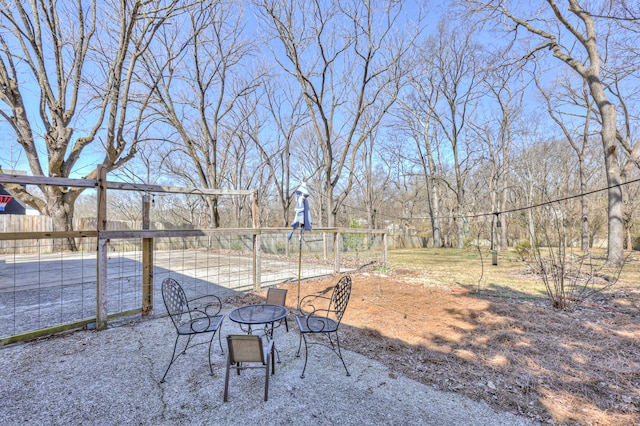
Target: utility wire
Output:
{"points": [[566, 198], [497, 213]]}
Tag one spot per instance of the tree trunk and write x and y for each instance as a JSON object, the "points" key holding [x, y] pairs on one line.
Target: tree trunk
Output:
{"points": [[530, 220], [436, 221], [61, 214], [584, 225], [614, 193], [459, 218], [504, 192], [433, 193], [214, 215]]}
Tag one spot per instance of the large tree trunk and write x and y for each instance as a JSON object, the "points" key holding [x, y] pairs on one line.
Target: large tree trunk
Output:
{"points": [[61, 213], [612, 169], [214, 214], [614, 193]]}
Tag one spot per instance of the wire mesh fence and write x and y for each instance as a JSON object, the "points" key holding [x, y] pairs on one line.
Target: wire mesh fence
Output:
{"points": [[47, 289]]}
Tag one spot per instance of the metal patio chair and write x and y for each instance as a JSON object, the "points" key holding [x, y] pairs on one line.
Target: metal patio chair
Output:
{"points": [[324, 320], [191, 317], [278, 296], [243, 349]]}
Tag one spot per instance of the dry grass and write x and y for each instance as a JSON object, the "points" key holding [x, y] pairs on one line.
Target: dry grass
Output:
{"points": [[504, 343]]}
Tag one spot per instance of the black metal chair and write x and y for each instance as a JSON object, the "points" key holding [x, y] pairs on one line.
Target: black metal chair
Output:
{"points": [[278, 296], [248, 349], [324, 320], [199, 315]]}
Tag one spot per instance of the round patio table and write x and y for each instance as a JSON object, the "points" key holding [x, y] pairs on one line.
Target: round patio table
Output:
{"points": [[264, 313]]}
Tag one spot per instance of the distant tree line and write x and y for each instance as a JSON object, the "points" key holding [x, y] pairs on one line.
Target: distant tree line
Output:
{"points": [[445, 122]]}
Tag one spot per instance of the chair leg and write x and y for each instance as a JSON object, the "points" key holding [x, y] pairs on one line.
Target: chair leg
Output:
{"points": [[226, 381], [184, 351], [210, 343], [266, 379], [340, 355], [220, 339], [335, 347], [268, 331], [173, 358], [306, 355], [302, 336], [273, 365], [299, 345]]}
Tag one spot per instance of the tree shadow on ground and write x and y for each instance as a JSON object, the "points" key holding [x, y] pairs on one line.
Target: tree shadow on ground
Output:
{"points": [[519, 355]]}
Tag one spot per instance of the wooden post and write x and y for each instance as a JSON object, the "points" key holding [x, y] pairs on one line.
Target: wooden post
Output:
{"points": [[325, 246], [147, 261], [257, 262], [336, 252], [384, 250], [101, 256]]}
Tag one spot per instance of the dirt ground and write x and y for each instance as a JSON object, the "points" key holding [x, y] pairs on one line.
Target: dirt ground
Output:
{"points": [[557, 367]]}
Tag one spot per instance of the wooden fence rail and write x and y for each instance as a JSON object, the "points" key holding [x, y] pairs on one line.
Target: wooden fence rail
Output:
{"points": [[23, 235], [57, 281]]}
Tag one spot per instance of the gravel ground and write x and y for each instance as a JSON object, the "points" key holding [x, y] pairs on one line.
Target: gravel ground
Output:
{"points": [[112, 378]]}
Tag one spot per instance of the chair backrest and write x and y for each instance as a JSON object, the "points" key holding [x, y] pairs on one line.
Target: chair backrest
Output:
{"points": [[340, 297], [175, 300], [276, 296], [245, 348]]}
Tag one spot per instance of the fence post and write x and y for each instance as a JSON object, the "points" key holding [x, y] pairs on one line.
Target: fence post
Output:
{"points": [[384, 250], [336, 252], [325, 246], [101, 256], [147, 261], [257, 262]]}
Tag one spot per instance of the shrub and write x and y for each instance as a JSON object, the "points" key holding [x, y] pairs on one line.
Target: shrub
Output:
{"points": [[280, 247], [523, 249]]}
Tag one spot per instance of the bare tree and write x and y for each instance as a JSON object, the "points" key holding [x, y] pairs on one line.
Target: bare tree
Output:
{"points": [[371, 181], [207, 70], [571, 34], [285, 108], [74, 64], [347, 60], [415, 113], [506, 89], [374, 181], [578, 137], [247, 169], [540, 174], [455, 74], [405, 200], [623, 73]]}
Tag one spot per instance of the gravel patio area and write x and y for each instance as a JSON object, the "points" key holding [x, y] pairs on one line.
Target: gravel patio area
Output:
{"points": [[112, 378]]}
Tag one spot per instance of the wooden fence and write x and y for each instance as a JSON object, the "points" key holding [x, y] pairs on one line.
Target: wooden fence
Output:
{"points": [[16, 224], [48, 289], [117, 273]]}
